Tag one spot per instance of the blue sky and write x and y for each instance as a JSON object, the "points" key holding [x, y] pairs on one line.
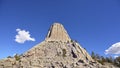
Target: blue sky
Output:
{"points": [[93, 23]]}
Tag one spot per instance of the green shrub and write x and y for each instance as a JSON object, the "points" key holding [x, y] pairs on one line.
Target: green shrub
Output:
{"points": [[17, 57], [101, 62], [9, 57], [64, 52]]}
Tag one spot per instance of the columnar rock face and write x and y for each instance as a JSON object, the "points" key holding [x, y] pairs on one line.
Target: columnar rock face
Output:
{"points": [[57, 51], [57, 33]]}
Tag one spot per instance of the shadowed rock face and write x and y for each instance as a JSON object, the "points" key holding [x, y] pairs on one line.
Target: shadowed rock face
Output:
{"points": [[57, 51], [57, 33]]}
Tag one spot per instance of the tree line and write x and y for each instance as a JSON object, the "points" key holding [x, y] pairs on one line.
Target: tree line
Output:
{"points": [[103, 60]]}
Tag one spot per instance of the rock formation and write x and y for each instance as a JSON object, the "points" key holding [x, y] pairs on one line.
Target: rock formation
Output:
{"points": [[57, 33], [57, 51]]}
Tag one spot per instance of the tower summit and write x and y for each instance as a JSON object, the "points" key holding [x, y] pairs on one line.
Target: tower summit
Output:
{"points": [[57, 33]]}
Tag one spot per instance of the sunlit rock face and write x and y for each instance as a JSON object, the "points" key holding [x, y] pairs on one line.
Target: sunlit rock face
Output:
{"points": [[56, 51], [57, 33]]}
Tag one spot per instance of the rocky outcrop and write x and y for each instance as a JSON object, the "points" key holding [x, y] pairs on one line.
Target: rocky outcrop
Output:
{"points": [[57, 51], [58, 54]]}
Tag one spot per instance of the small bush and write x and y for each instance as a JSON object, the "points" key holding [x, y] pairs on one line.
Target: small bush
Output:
{"points": [[9, 57], [64, 52], [101, 62], [17, 57]]}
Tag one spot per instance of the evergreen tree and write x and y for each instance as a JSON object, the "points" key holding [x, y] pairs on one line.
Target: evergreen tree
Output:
{"points": [[93, 55]]}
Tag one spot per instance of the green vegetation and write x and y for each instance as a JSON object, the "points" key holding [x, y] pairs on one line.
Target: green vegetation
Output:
{"points": [[17, 57], [9, 57], [117, 61], [72, 40], [64, 52], [103, 60]]}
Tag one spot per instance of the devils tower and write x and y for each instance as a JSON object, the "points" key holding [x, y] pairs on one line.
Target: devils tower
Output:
{"points": [[57, 33], [58, 50]]}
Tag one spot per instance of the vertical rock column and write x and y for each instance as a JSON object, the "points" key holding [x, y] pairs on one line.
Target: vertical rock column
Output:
{"points": [[57, 33]]}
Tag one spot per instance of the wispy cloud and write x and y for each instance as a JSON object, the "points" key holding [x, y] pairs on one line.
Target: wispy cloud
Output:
{"points": [[114, 49], [23, 36]]}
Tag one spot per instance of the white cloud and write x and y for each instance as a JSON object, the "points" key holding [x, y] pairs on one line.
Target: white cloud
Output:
{"points": [[23, 36], [116, 56], [114, 49]]}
